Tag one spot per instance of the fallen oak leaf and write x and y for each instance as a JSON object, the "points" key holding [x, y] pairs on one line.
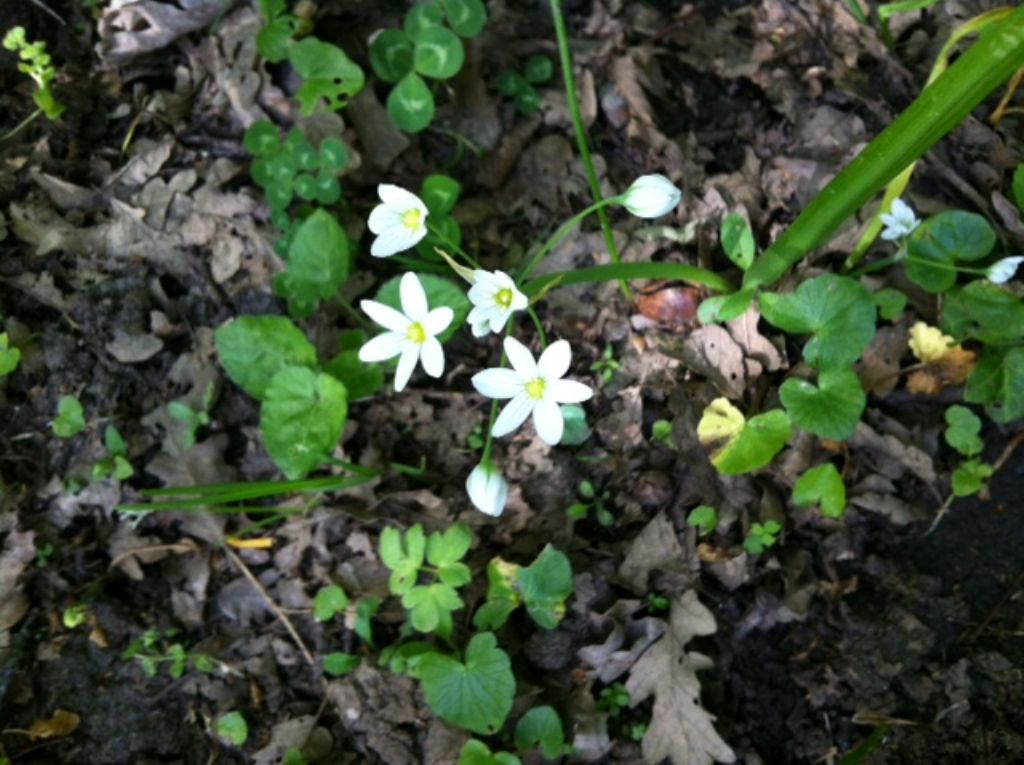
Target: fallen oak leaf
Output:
{"points": [[61, 724]]}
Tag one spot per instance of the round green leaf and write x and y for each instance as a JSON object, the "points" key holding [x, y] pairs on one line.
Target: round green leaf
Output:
{"points": [[821, 485], [959, 235], [233, 728], [539, 69], [255, 348], [305, 186], [830, 409], [262, 139], [275, 38], [318, 259], [984, 311], [438, 53], [448, 230], [962, 429], [466, 17], [329, 602], [541, 726], [391, 55], [423, 16], [411, 104], [328, 189], [439, 291], [302, 418], [339, 664], [545, 585], [440, 193], [528, 102], [359, 378], [333, 154], [330, 76], [301, 151], [511, 83], [576, 429], [756, 445]]}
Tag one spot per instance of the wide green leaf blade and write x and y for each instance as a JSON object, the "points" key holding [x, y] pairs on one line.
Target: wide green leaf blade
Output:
{"points": [[411, 104], [821, 485], [756, 445], [330, 76], [830, 409], [255, 348]]}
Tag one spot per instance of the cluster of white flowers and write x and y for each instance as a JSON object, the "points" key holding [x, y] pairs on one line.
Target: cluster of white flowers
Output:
{"points": [[531, 386]]}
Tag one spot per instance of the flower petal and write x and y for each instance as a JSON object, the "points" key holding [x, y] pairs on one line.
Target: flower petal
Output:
{"points": [[548, 420], [398, 198], [498, 319], [519, 301], [385, 315], [555, 360], [383, 218], [394, 240], [498, 383], [520, 358], [569, 391], [480, 328], [414, 299], [513, 415], [407, 363], [437, 321], [382, 347], [432, 357]]}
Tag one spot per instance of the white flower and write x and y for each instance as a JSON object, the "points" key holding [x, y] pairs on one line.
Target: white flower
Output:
{"points": [[1003, 270], [399, 221], [495, 298], [410, 335], [535, 387], [651, 196], [900, 221], [487, 489]]}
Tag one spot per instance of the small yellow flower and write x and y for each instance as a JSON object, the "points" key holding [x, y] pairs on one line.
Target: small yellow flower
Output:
{"points": [[929, 344], [721, 421]]}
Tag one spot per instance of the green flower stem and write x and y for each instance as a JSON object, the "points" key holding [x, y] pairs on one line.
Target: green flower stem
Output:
{"points": [[454, 247], [561, 233], [996, 55], [623, 271], [358, 317], [565, 57], [540, 327]]}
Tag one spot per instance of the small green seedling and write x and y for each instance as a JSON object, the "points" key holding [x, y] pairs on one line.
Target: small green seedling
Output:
{"points": [[541, 727], [44, 552], [520, 86], [594, 502], [476, 752], [761, 537], [606, 366], [475, 440], [740, 445], [233, 728], [704, 518], [70, 418], [613, 699], [366, 609], [339, 664], [75, 616], [656, 603], [191, 418], [661, 432], [9, 357], [36, 64], [543, 587], [738, 240], [153, 648], [962, 433], [821, 485], [329, 602], [115, 465]]}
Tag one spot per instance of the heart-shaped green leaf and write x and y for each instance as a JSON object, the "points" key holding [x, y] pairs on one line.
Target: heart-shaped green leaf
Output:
{"points": [[255, 348], [438, 53], [830, 409], [330, 76], [761, 438], [466, 17], [411, 104], [391, 55], [821, 485]]}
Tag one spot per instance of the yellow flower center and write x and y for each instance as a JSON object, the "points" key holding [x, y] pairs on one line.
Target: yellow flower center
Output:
{"points": [[416, 334], [536, 387], [504, 298], [412, 219]]}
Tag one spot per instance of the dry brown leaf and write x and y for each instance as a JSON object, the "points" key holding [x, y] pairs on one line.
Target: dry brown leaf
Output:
{"points": [[129, 30], [61, 724], [951, 370], [17, 553], [656, 547], [681, 730]]}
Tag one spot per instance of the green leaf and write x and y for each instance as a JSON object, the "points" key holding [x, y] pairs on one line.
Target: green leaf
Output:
{"points": [[478, 753], [302, 417], [333, 154], [962, 429], [360, 379], [70, 418], [1018, 187], [411, 104], [502, 597], [329, 74], [262, 139], [738, 240], [329, 602], [466, 17], [821, 485], [300, 151], [274, 40], [528, 102], [541, 726], [545, 585], [539, 69], [445, 551], [255, 348], [890, 303], [476, 695], [338, 664], [366, 609], [837, 310], [984, 311], [998, 382], [943, 239], [438, 53], [756, 445], [391, 55], [440, 193], [318, 259], [576, 429], [439, 291], [447, 233], [9, 357], [430, 607], [970, 477], [404, 558], [233, 728], [722, 308], [704, 517], [123, 469], [113, 441], [511, 83], [423, 16], [271, 9], [830, 409]]}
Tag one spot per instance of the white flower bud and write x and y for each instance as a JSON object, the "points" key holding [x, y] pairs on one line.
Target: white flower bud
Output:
{"points": [[651, 196], [487, 489]]}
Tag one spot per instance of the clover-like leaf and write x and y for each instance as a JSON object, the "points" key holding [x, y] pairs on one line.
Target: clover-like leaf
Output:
{"points": [[838, 311], [998, 382], [411, 104], [302, 417], [329, 602], [984, 311], [438, 53], [830, 409], [430, 607], [330, 76], [423, 16], [890, 303], [962, 429], [262, 139], [446, 551], [969, 477], [391, 55], [821, 485], [478, 753], [232, 727], [403, 557], [255, 348], [475, 694], [539, 69], [440, 193], [542, 727], [70, 418], [545, 585], [466, 17]]}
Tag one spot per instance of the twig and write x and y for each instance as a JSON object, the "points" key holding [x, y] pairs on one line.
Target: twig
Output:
{"points": [[46, 9], [282, 617]]}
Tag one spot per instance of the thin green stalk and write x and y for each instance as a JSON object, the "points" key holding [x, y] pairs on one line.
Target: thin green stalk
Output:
{"points": [[541, 334], [996, 55], [565, 57], [561, 233], [454, 247], [624, 271]]}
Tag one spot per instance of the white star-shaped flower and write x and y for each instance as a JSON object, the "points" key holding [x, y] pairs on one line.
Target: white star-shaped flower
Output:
{"points": [[535, 387], [900, 221], [399, 221], [411, 332], [1003, 270], [495, 298]]}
